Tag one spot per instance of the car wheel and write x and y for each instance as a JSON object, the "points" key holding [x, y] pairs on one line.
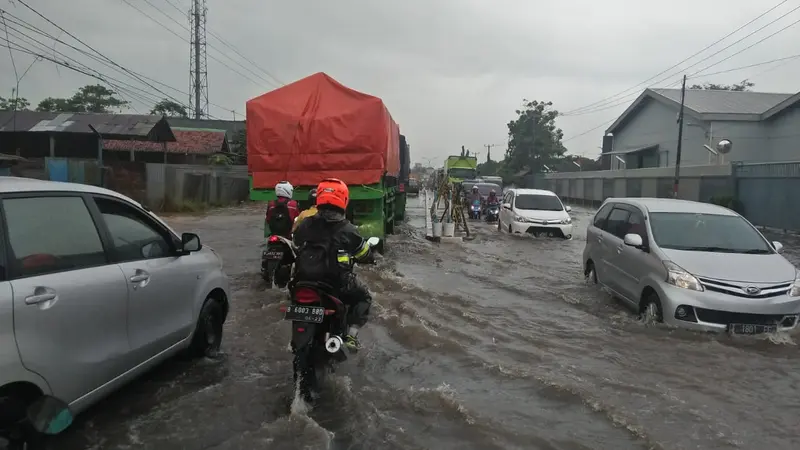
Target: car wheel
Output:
{"points": [[650, 309], [568, 237], [591, 273], [208, 332]]}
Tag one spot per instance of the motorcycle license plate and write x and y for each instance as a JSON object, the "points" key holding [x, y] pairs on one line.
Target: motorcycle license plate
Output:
{"points": [[298, 313], [273, 254]]}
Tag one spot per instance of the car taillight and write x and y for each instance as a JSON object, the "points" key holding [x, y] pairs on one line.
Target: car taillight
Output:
{"points": [[305, 295]]}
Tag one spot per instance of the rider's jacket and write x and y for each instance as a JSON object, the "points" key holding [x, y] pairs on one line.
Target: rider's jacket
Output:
{"points": [[345, 235]]}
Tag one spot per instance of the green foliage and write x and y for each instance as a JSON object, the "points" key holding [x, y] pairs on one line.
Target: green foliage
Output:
{"points": [[534, 140], [94, 98], [220, 160], [7, 104], [742, 86], [169, 108]]}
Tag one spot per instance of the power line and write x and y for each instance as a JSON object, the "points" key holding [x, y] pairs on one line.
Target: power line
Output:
{"points": [[763, 63], [103, 59], [232, 47], [604, 100], [591, 111], [187, 41]]}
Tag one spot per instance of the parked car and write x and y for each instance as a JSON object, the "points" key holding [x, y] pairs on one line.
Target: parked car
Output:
{"points": [[95, 290], [694, 265], [534, 211]]}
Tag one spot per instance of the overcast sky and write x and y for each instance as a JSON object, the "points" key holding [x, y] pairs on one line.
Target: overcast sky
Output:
{"points": [[452, 72]]}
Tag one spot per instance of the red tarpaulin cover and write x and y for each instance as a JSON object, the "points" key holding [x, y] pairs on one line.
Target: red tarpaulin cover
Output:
{"points": [[317, 128]]}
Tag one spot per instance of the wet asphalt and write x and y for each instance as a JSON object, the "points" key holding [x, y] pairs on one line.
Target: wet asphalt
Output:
{"points": [[493, 343]]}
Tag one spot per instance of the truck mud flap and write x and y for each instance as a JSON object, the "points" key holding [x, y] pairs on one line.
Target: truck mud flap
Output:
{"points": [[302, 334]]}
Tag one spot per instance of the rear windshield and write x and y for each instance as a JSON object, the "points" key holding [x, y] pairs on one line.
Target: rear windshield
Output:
{"points": [[706, 232], [464, 174], [538, 202]]}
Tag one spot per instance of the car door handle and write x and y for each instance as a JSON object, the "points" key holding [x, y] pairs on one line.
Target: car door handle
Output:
{"points": [[619, 249], [138, 278], [40, 298]]}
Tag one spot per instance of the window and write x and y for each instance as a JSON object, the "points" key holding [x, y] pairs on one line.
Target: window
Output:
{"points": [[636, 225], [539, 202], [600, 217], [617, 222], [134, 237], [51, 234], [707, 232], [462, 173]]}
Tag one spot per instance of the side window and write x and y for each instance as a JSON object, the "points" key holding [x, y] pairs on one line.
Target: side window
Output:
{"points": [[617, 222], [600, 217], [636, 225], [135, 237], [51, 234]]}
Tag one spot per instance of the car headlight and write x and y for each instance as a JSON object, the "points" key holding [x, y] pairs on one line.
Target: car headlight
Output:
{"points": [[678, 277], [566, 221], [795, 290], [520, 219]]}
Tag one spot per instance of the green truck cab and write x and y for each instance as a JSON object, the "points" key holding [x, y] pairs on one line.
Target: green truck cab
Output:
{"points": [[460, 168]]}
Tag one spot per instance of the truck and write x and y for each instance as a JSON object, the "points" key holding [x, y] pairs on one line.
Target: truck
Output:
{"points": [[317, 128], [460, 168]]}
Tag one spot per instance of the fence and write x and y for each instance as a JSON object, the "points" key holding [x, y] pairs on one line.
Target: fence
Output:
{"points": [[763, 189], [160, 186]]}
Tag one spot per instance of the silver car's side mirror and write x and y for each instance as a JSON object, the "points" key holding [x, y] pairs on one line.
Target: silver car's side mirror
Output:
{"points": [[507, 205], [777, 246], [633, 240], [568, 208], [373, 241]]}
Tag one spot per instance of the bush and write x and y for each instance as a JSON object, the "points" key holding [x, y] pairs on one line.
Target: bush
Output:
{"points": [[728, 202]]}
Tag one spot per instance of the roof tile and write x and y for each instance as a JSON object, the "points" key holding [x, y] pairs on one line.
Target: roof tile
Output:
{"points": [[187, 141]]}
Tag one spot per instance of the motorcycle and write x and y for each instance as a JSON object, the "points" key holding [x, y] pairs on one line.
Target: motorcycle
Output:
{"points": [[319, 324], [492, 213], [271, 257], [46, 416], [475, 210]]}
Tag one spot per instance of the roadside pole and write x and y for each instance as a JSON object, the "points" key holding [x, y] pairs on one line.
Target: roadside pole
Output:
{"points": [[680, 142]]}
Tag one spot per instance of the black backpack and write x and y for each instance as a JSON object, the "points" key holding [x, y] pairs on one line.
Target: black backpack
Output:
{"points": [[280, 221], [317, 258]]}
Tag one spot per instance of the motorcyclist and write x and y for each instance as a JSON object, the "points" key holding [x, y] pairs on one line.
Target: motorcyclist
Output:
{"points": [[492, 199], [475, 196], [282, 212], [312, 210], [330, 227]]}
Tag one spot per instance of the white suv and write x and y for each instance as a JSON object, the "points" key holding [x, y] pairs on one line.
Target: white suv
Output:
{"points": [[534, 211]]}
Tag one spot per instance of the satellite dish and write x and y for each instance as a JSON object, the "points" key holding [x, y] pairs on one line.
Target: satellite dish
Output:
{"points": [[724, 146]]}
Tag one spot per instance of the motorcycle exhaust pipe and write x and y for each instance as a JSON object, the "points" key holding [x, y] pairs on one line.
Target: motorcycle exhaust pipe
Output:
{"points": [[333, 344]]}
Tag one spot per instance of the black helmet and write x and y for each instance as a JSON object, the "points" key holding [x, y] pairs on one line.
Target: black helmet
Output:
{"points": [[312, 193]]}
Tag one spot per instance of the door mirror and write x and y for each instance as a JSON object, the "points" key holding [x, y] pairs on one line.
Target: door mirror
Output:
{"points": [[373, 241], [507, 205], [777, 246], [191, 242], [49, 415], [568, 208], [633, 240]]}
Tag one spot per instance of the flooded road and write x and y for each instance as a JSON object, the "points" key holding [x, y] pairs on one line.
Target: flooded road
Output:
{"points": [[494, 343]]}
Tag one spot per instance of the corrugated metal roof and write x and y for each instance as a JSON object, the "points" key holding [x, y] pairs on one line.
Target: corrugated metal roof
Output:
{"points": [[706, 101], [110, 126]]}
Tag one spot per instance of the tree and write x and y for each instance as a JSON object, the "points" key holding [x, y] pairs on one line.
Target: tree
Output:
{"points": [[94, 98], [742, 86], [8, 104], [534, 140], [169, 108]]}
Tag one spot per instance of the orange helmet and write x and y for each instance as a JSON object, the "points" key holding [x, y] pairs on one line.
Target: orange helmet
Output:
{"points": [[332, 191]]}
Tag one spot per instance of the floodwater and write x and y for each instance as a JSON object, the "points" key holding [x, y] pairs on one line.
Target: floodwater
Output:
{"points": [[495, 343]]}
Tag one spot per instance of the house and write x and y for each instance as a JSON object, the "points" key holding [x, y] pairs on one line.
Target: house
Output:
{"points": [[191, 146], [233, 128], [761, 126], [32, 134]]}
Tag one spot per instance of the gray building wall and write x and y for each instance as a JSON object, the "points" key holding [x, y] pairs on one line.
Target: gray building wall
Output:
{"points": [[773, 140]]}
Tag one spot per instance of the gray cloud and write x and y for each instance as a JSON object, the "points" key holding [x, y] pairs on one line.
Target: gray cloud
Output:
{"points": [[451, 71]]}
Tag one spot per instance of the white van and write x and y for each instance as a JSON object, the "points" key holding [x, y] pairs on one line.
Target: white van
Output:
{"points": [[534, 211]]}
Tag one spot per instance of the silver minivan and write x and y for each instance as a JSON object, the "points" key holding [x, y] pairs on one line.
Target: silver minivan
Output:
{"points": [[691, 264], [94, 290]]}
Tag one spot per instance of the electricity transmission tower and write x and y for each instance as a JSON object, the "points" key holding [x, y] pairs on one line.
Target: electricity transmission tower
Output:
{"points": [[198, 59]]}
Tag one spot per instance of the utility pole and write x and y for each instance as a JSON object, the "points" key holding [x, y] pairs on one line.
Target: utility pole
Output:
{"points": [[489, 151], [680, 141], [198, 59]]}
